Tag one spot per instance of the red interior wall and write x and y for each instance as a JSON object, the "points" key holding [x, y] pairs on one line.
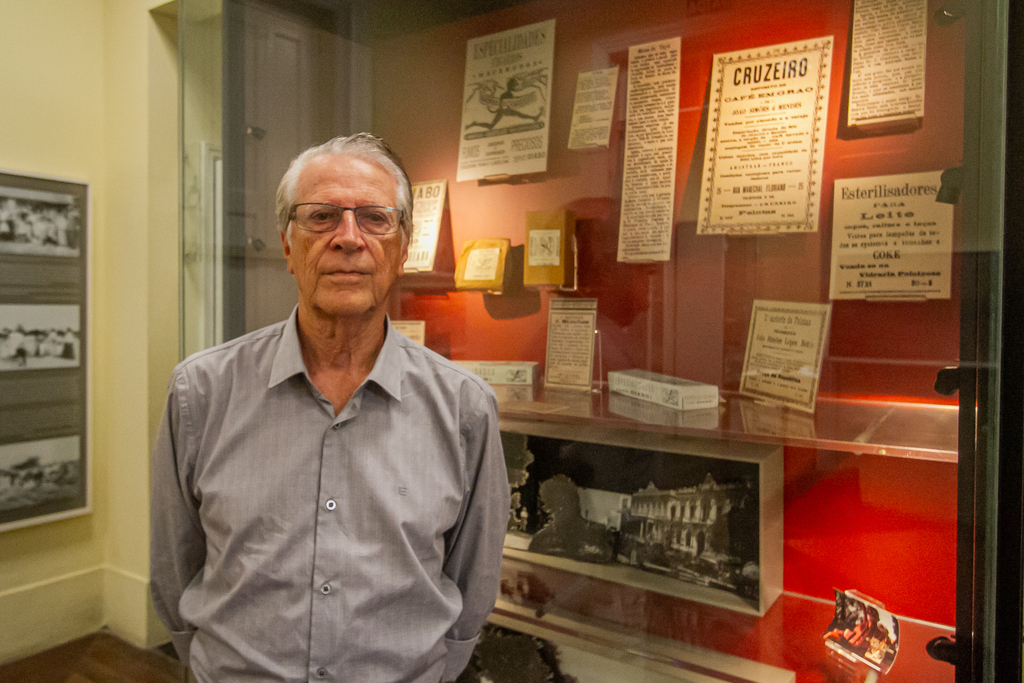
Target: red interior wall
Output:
{"points": [[883, 525]]}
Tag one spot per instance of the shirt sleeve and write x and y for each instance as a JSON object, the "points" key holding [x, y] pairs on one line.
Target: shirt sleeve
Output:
{"points": [[177, 544], [473, 559]]}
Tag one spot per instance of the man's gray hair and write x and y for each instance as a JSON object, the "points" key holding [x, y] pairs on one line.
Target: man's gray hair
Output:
{"points": [[362, 146]]}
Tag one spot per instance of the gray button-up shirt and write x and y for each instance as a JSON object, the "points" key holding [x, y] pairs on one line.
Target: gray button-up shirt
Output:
{"points": [[288, 544]]}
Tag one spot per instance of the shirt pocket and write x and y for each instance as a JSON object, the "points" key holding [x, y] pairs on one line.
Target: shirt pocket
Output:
{"points": [[403, 498]]}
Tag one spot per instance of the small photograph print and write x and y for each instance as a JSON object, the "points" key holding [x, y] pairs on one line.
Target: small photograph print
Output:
{"points": [[39, 222], [37, 337], [863, 632], [40, 477]]}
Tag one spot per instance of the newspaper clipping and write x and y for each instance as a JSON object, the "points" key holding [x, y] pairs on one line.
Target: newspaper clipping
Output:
{"points": [[766, 140], [887, 61], [593, 108], [506, 102], [891, 239], [649, 167]]}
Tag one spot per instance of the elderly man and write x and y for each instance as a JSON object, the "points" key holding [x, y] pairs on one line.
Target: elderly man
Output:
{"points": [[329, 498]]}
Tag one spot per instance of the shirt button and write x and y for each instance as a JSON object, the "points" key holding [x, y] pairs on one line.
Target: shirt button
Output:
{"points": [[321, 673], [331, 505], [325, 589]]}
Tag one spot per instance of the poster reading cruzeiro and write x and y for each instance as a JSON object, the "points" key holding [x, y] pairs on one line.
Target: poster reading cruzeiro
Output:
{"points": [[766, 139], [506, 102]]}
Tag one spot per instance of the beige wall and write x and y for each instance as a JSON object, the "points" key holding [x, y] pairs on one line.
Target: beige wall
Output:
{"points": [[89, 93]]}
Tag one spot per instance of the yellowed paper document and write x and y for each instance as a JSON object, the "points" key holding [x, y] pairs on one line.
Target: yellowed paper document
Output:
{"points": [[570, 348], [891, 239], [649, 167], [887, 61], [593, 108], [766, 139], [506, 102], [427, 211], [785, 347]]}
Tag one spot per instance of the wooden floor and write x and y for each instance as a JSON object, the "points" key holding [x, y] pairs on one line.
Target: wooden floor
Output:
{"points": [[96, 658]]}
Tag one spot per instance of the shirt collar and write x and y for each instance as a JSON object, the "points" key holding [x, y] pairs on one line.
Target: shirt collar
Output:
{"points": [[387, 369], [288, 359]]}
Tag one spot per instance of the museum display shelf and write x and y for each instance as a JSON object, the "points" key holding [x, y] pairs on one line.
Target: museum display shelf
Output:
{"points": [[641, 656], [695, 641], [878, 426]]}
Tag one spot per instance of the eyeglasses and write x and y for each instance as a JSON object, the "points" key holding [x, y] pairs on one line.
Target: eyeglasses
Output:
{"points": [[373, 220]]}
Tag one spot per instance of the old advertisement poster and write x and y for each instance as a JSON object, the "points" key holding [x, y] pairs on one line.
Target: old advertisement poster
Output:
{"points": [[785, 347], [506, 102], [887, 61], [569, 361], [427, 210], [891, 239], [649, 167], [593, 108], [766, 139]]}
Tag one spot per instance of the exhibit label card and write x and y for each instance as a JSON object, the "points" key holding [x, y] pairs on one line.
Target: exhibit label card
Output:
{"points": [[593, 108], [891, 239], [427, 210], [506, 102], [785, 347], [887, 61], [649, 167], [569, 361], [413, 329], [766, 139]]}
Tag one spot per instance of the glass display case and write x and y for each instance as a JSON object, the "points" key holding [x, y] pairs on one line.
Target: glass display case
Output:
{"points": [[716, 169]]}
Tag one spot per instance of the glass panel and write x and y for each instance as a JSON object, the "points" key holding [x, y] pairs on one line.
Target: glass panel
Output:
{"points": [[850, 520], [295, 79], [857, 490], [202, 229]]}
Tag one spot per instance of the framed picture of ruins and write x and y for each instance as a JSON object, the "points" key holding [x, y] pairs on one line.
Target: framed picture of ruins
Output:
{"points": [[44, 314], [697, 519]]}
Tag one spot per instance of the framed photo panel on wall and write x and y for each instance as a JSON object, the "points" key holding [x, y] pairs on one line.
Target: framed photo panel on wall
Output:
{"points": [[44, 313]]}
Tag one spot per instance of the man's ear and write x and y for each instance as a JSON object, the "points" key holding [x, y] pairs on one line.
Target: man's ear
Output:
{"points": [[287, 252], [404, 257]]}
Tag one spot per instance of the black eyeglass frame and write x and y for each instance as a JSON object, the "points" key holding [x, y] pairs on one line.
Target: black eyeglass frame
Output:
{"points": [[355, 213]]}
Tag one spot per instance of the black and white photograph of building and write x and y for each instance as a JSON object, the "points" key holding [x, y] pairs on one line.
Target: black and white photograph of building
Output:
{"points": [[699, 534], [40, 223], [34, 337], [685, 517]]}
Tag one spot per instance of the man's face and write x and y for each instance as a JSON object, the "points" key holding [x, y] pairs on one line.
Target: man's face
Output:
{"points": [[344, 273]]}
